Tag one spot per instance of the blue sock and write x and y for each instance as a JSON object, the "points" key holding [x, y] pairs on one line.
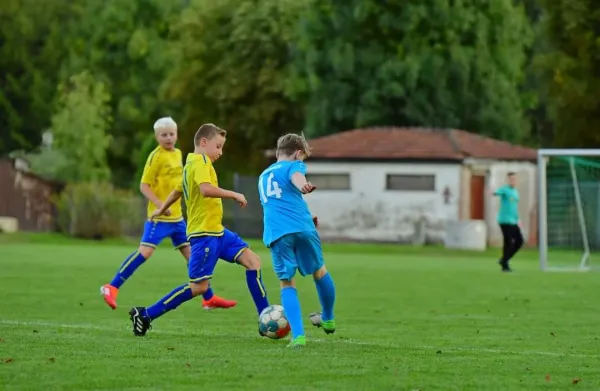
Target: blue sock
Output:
{"points": [[171, 301], [131, 263], [208, 294], [257, 289], [291, 305], [326, 291]]}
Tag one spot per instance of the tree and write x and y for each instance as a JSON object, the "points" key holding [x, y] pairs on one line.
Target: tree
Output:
{"points": [[124, 43], [230, 66], [32, 48], [570, 65], [79, 129], [435, 63]]}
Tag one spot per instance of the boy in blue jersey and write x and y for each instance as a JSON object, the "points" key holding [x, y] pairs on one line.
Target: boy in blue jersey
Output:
{"points": [[508, 218], [291, 235]]}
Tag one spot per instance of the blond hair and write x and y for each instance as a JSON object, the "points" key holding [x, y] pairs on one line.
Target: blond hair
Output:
{"points": [[289, 143], [165, 123], [208, 131]]}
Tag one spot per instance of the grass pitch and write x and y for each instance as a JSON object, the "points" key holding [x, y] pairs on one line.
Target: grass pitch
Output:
{"points": [[408, 319]]}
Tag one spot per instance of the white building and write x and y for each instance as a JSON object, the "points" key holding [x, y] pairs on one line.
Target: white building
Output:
{"points": [[404, 184]]}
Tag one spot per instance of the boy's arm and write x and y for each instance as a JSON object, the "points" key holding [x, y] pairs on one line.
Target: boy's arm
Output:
{"points": [[149, 177], [299, 180], [211, 191], [498, 192], [297, 177], [146, 190], [171, 199]]}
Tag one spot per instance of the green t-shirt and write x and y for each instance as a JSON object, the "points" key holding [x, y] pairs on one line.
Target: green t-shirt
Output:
{"points": [[509, 205]]}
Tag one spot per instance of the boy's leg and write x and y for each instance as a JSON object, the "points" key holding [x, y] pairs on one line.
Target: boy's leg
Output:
{"points": [[310, 261], [234, 249], [293, 312], [202, 263], [284, 265], [326, 292], [142, 317], [180, 242], [154, 233], [506, 247], [516, 236]]}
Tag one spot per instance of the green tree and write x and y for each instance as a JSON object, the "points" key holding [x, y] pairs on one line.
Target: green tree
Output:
{"points": [[570, 65], [231, 63], [124, 43], [79, 129], [32, 48], [438, 63]]}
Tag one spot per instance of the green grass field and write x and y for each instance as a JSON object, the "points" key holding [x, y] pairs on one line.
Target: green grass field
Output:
{"points": [[408, 319]]}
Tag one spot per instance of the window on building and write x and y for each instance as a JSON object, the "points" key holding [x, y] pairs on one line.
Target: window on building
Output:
{"points": [[410, 182], [330, 181]]}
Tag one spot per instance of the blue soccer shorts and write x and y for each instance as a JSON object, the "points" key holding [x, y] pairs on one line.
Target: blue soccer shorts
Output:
{"points": [[156, 231], [299, 251], [206, 251]]}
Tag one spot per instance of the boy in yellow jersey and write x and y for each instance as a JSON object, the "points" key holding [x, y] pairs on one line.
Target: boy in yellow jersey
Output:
{"points": [[208, 238], [161, 174]]}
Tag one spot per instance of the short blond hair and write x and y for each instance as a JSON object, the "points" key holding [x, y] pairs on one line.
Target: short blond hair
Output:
{"points": [[289, 143], [165, 123], [208, 131]]}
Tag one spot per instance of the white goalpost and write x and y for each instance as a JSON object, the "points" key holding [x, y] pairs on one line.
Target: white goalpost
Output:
{"points": [[568, 208]]}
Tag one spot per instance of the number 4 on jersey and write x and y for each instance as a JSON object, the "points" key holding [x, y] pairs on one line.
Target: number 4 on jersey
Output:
{"points": [[273, 188]]}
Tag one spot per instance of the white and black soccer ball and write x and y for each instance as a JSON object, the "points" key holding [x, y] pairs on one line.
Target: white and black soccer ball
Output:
{"points": [[273, 323]]}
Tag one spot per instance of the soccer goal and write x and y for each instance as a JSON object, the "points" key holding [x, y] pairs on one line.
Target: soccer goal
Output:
{"points": [[569, 208]]}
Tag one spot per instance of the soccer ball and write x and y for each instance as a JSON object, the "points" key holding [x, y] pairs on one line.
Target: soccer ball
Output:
{"points": [[273, 323]]}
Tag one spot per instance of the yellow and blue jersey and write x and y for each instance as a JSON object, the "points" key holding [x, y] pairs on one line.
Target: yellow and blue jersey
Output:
{"points": [[204, 214], [162, 173]]}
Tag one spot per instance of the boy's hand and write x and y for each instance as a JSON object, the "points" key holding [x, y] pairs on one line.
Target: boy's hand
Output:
{"points": [[308, 188], [240, 199], [316, 221], [167, 212], [155, 214]]}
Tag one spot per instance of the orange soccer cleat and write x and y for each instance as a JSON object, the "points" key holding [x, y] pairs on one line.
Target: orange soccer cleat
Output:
{"points": [[217, 302], [110, 294]]}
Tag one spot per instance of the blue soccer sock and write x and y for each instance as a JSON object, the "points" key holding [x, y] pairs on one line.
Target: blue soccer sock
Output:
{"points": [[131, 263], [326, 291], [171, 301], [257, 289], [291, 306], [208, 294]]}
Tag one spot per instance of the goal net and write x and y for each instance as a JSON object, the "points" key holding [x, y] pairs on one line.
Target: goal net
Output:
{"points": [[569, 208]]}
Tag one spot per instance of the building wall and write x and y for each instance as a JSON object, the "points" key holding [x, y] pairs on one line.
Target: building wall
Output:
{"points": [[370, 212], [26, 198]]}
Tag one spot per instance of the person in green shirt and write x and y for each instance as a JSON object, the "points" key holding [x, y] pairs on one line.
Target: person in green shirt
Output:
{"points": [[508, 218]]}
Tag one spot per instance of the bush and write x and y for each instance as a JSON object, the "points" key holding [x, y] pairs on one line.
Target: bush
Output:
{"points": [[98, 211]]}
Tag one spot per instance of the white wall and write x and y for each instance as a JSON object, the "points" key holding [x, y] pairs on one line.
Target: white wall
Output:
{"points": [[370, 212]]}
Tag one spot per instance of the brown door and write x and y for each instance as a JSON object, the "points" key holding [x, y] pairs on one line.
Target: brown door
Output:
{"points": [[477, 197]]}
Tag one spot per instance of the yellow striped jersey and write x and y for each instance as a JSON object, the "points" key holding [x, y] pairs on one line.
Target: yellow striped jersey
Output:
{"points": [[204, 214], [163, 172]]}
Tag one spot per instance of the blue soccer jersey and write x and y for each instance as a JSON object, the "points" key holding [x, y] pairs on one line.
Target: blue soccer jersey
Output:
{"points": [[509, 205], [284, 209]]}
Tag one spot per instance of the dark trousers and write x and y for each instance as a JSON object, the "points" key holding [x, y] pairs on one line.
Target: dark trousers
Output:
{"points": [[513, 241]]}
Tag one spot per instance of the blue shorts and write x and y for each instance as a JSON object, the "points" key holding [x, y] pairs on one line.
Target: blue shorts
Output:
{"points": [[206, 251], [298, 251], [156, 231]]}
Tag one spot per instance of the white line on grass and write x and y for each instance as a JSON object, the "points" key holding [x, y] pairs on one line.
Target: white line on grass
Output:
{"points": [[184, 332]]}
